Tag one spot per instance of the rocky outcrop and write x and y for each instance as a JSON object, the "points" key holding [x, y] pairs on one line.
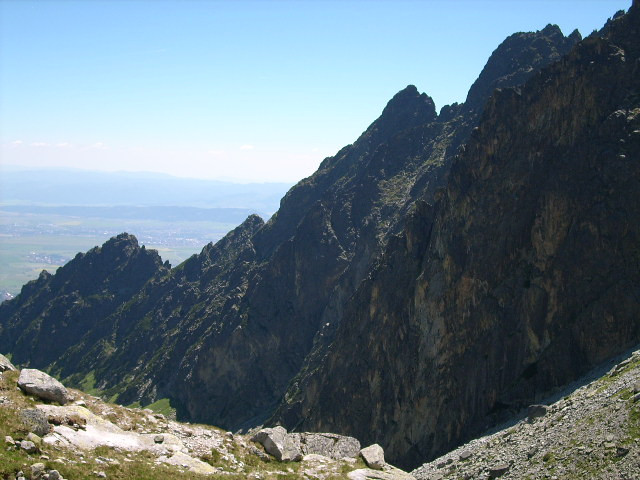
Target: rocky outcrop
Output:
{"points": [[287, 447], [43, 386]]}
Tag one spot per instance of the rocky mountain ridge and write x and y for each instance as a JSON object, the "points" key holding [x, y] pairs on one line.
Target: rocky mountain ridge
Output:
{"points": [[401, 292]]}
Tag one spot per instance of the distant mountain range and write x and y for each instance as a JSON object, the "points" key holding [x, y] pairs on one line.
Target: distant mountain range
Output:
{"points": [[90, 188], [430, 279]]}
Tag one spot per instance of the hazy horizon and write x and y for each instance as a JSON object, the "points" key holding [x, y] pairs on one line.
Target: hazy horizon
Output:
{"points": [[249, 91]]}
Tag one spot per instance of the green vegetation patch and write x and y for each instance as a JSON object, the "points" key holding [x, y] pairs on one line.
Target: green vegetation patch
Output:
{"points": [[164, 407]]}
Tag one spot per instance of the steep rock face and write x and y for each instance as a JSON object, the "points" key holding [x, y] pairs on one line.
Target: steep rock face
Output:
{"points": [[411, 165], [521, 277]]}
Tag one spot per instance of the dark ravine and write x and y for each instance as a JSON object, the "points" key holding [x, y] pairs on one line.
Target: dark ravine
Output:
{"points": [[401, 294]]}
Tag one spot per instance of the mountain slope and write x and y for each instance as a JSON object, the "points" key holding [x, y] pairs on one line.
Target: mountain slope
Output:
{"points": [[384, 280], [521, 277]]}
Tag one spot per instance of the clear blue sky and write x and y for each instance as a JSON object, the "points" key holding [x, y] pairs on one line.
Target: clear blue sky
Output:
{"points": [[250, 90]]}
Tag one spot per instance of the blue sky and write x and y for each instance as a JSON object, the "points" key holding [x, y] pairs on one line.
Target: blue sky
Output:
{"points": [[244, 90]]}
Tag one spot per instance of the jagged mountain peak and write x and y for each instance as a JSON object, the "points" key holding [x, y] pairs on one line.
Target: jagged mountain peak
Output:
{"points": [[408, 108], [516, 58]]}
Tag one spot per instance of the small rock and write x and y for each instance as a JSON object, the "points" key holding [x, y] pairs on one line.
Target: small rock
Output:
{"points": [[28, 446], [100, 474], [54, 475], [80, 403], [531, 451], [636, 387], [609, 445], [32, 437], [37, 471], [609, 438], [498, 470], [373, 456], [158, 438], [466, 454], [8, 439]]}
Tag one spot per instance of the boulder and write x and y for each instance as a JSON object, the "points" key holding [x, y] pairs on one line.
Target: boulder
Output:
{"points": [[498, 470], [5, 364], [330, 445], [373, 456], [28, 446], [277, 442], [36, 421], [35, 382], [37, 471]]}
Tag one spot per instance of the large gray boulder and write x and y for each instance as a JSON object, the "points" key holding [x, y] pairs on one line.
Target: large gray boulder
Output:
{"points": [[5, 364], [35, 382], [277, 442], [373, 456], [330, 445]]}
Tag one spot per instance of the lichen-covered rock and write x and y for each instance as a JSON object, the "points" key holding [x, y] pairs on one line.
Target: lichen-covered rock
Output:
{"points": [[35, 382], [330, 445], [36, 421]]}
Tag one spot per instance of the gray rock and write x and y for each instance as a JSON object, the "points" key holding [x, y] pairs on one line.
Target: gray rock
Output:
{"points": [[37, 471], [330, 445], [158, 438], [373, 456], [465, 454], [6, 365], [28, 446], [54, 475], [43, 386], [536, 411], [285, 447], [8, 439], [498, 470], [36, 421], [32, 437]]}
